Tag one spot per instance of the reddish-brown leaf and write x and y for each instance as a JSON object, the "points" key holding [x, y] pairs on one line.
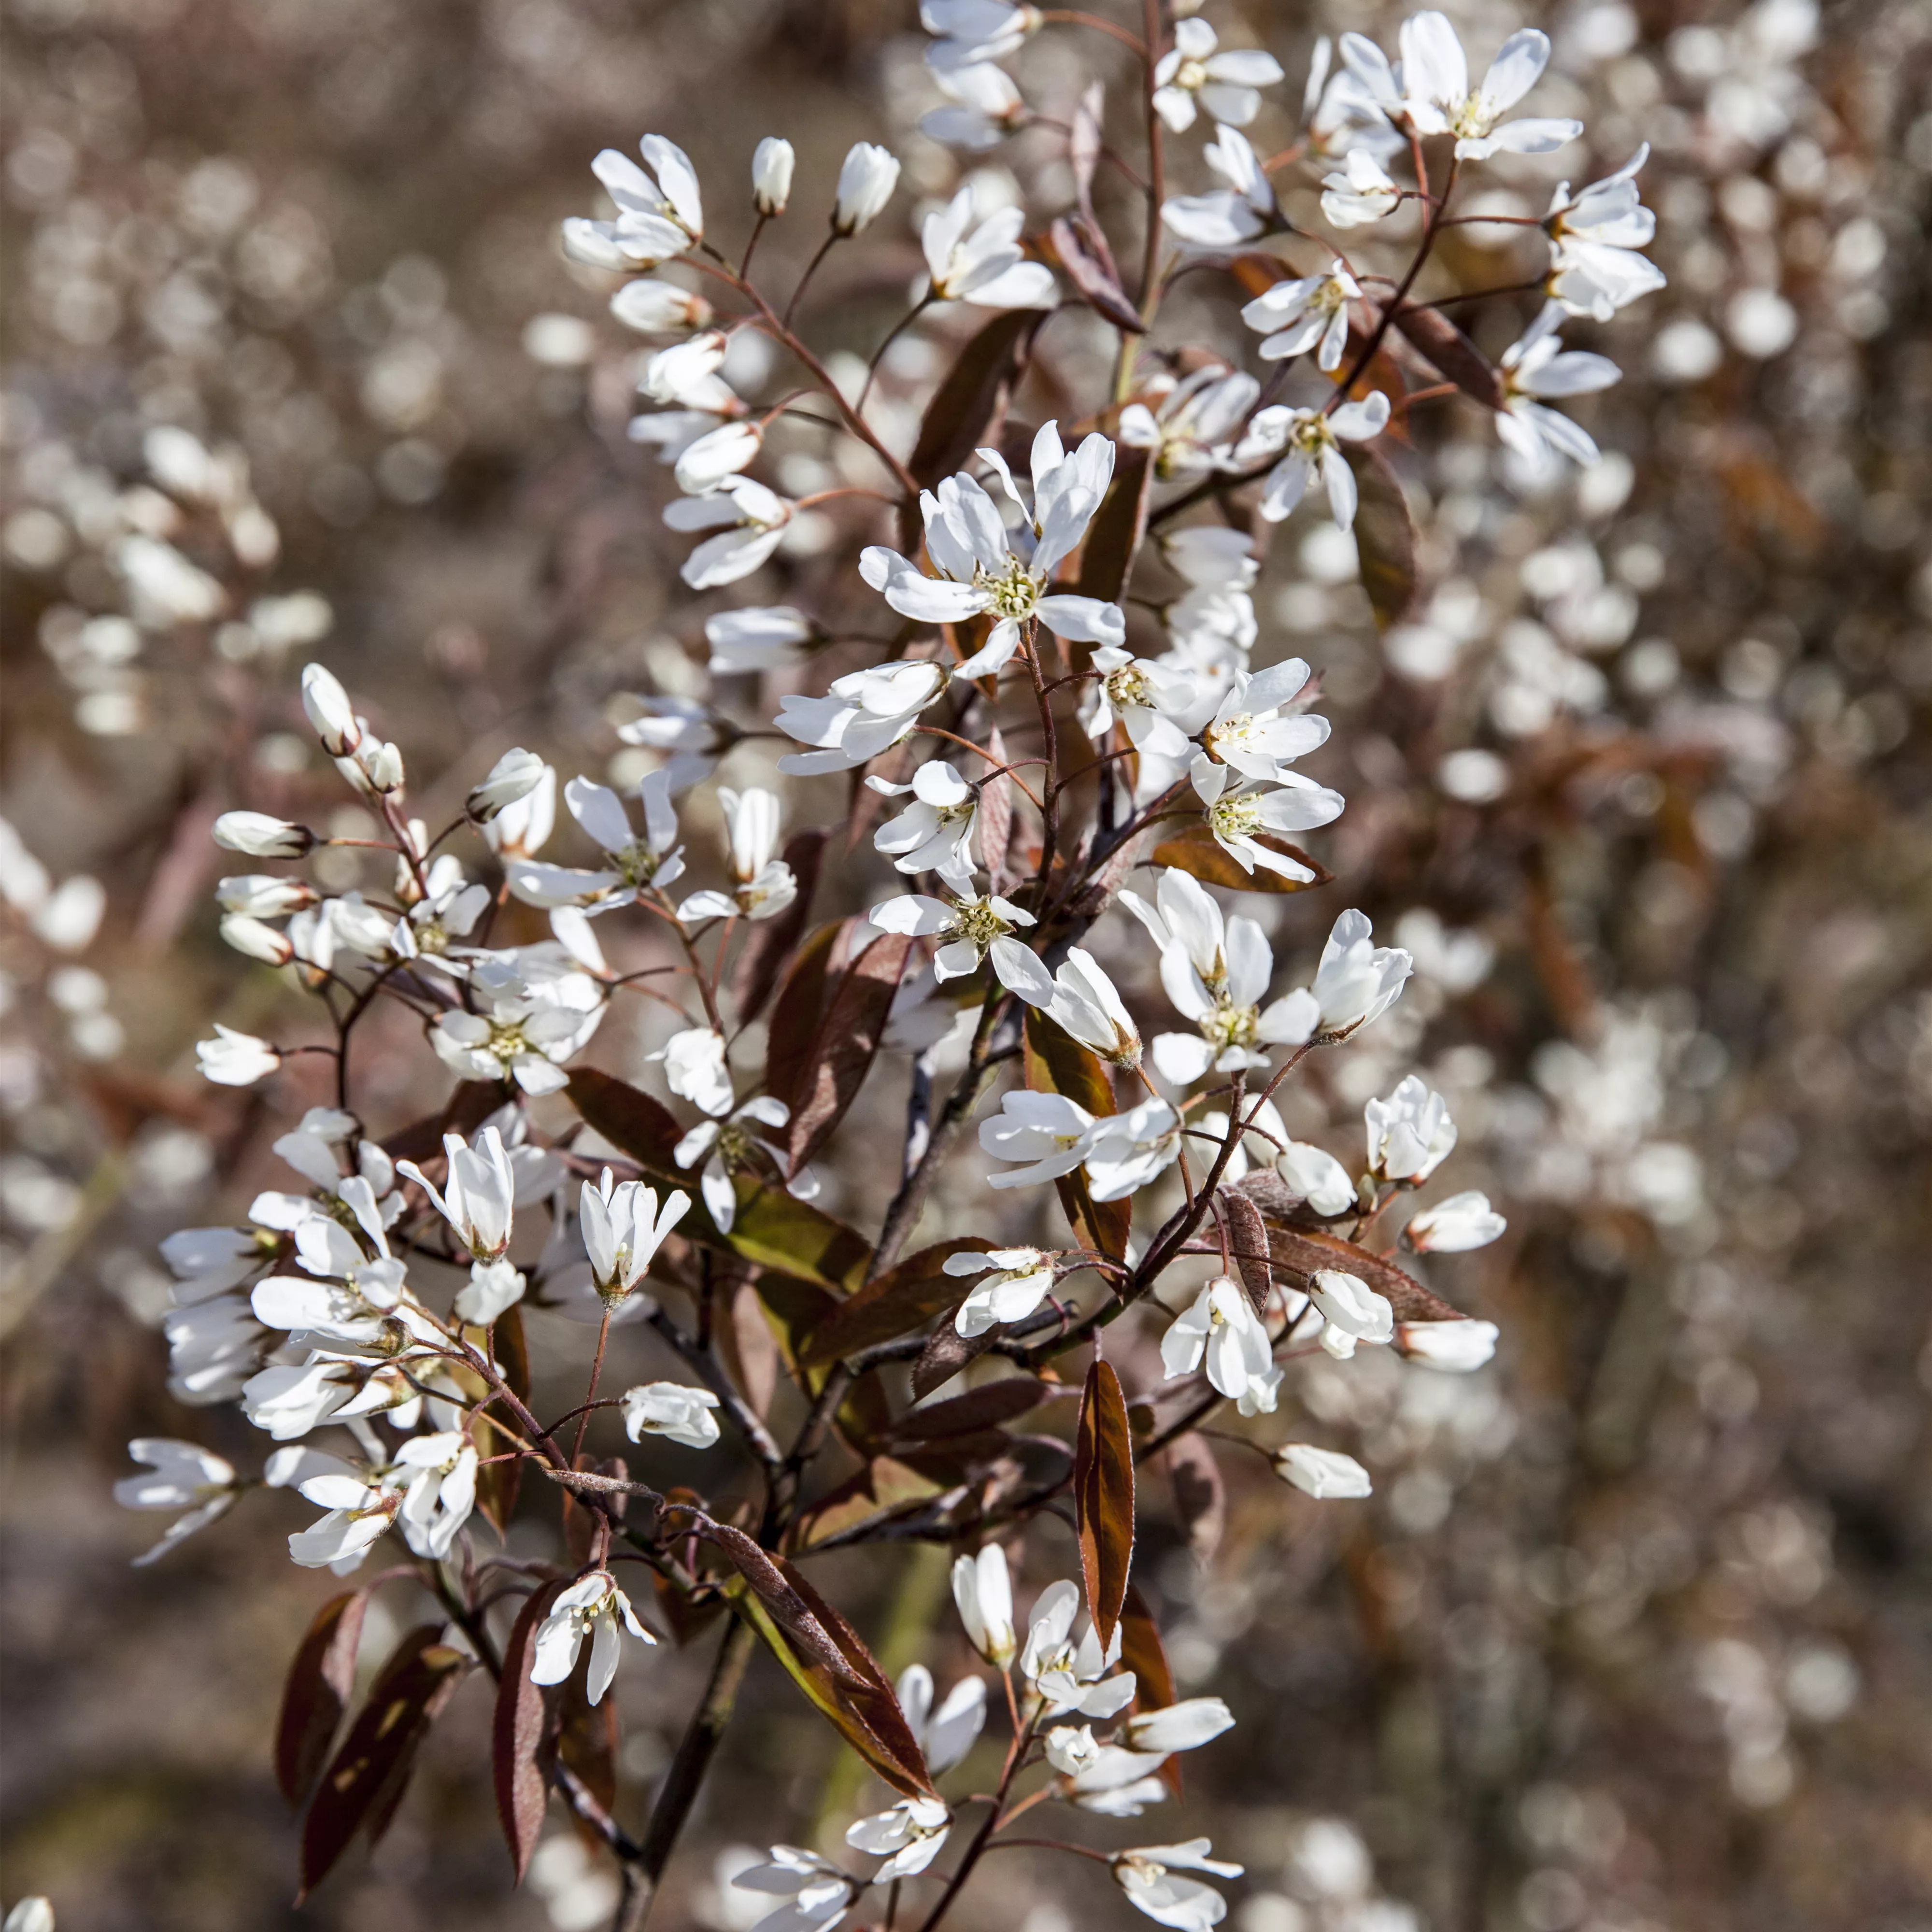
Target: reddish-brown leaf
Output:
{"points": [[496, 1482], [968, 407], [1300, 1251], [466, 1110], [1085, 144], [1088, 264], [366, 1779], [945, 1353], [983, 1408], [848, 1038], [1247, 1240], [512, 1351], [520, 1745], [321, 1674], [1200, 1499], [895, 1304], [628, 1117], [885, 1487], [769, 941], [1114, 537], [775, 1588], [1451, 354], [1196, 851], [1384, 536], [1103, 1496], [795, 1016], [1143, 1653]]}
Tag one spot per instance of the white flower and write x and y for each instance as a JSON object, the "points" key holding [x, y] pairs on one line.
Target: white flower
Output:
{"points": [[261, 836], [983, 1590], [1070, 1676], [947, 1734], [1313, 441], [1435, 95], [1132, 1149], [232, 1059], [1312, 313], [1357, 981], [1049, 1134], [984, 107], [709, 460], [185, 1478], [493, 1289], [1361, 191], [987, 567], [760, 639], [773, 161], [329, 711], [1190, 427], [725, 1146], [1455, 1347], [1018, 1280], [33, 1914], [429, 1490], [513, 776], [671, 1409], [1142, 697], [257, 940], [1236, 816], [1321, 1473], [1352, 1310], [1343, 113], [263, 894], [439, 1473], [531, 1021], [1537, 368], [909, 1837], [864, 713], [1596, 266], [631, 864], [1224, 83], [695, 1070], [820, 1893], [762, 886], [1186, 1726], [1223, 1327], [983, 265], [973, 32], [623, 1229], [971, 930], [866, 179], [1119, 1783], [1318, 1177], [522, 827], [1226, 217], [478, 1193], [593, 1606], [352, 1298], [751, 520], [659, 308], [1086, 1005], [1410, 1134], [1454, 1226], [694, 734], [1253, 731], [1147, 1876], [656, 218], [934, 833], [1072, 1749]]}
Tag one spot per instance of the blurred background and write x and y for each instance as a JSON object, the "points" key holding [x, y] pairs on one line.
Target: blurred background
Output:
{"points": [[1637, 1632]]}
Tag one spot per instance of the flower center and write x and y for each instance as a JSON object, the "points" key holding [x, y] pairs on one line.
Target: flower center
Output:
{"points": [[1314, 436], [978, 924], [1233, 730], [1471, 121], [1191, 75], [1014, 593], [507, 1041], [1127, 687], [637, 864], [1231, 1026], [1233, 817]]}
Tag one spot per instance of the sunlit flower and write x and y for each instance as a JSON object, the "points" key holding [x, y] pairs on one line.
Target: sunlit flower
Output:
{"points": [[1596, 238], [1228, 216], [1454, 1226], [1410, 1133], [1150, 1876], [1193, 70], [593, 1606], [982, 1591], [1015, 1282], [983, 264], [183, 1477], [1293, 317], [1537, 369], [1322, 1473], [1352, 1309], [1312, 442], [1221, 1326], [673, 1410], [908, 1837], [1456, 1347]]}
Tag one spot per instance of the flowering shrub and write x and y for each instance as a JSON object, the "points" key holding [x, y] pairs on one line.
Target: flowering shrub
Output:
{"points": [[1029, 682]]}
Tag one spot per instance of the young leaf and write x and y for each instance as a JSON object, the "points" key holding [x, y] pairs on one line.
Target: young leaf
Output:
{"points": [[1452, 354], [848, 1038], [884, 1488], [321, 1674], [1300, 1251], [1196, 851], [795, 1016], [519, 1743], [983, 1408], [1143, 1653], [1089, 267], [628, 1117], [1384, 536], [1114, 537], [770, 940], [1247, 1240], [788, 1610], [894, 1305], [496, 1483], [1103, 1496], [945, 1353], [1200, 1498], [365, 1780], [969, 406]]}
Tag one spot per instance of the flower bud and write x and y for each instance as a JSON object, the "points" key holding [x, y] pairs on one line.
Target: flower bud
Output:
{"points": [[866, 185], [659, 308], [719, 454], [257, 940], [1455, 1347], [674, 375], [263, 896], [771, 175], [330, 711], [515, 775], [261, 836], [1321, 1473], [232, 1059]]}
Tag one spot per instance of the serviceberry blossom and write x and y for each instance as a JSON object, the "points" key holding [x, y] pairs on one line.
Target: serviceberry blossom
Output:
{"points": [[820, 1894], [1193, 70], [982, 1591], [971, 930], [1225, 216], [1454, 1226], [1191, 426], [1356, 981], [660, 214], [1309, 443], [1359, 192], [983, 107], [750, 521], [184, 1476], [724, 1147], [1222, 1326], [765, 638], [1596, 266], [593, 1606], [973, 32], [1410, 1134], [1239, 816], [532, 1016], [1151, 1877], [632, 865], [945, 1735], [763, 884], [673, 1411], [659, 308], [1143, 698], [1047, 1133], [864, 713], [694, 734], [1086, 1004], [866, 180], [427, 1491], [695, 1070], [1458, 1347], [1068, 1675], [623, 1227], [1351, 1311], [709, 461], [908, 1837], [1314, 1174], [478, 1193], [1015, 1282], [934, 833], [1310, 313], [232, 1059], [981, 262], [1117, 1783], [773, 161], [1186, 1726], [1129, 1149], [1253, 730], [1537, 369], [1323, 1473], [261, 836], [1343, 113], [987, 568]]}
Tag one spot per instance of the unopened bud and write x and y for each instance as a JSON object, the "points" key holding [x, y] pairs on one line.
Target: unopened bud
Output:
{"points": [[258, 940], [515, 775], [866, 185], [330, 711], [261, 836], [771, 165]]}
